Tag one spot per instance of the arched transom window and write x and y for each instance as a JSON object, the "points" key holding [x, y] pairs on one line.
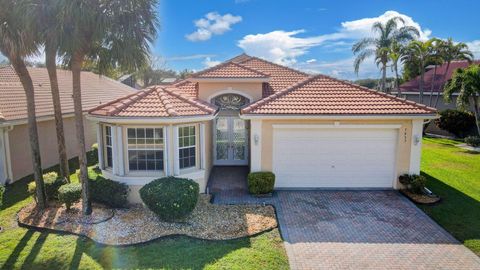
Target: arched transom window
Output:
{"points": [[230, 102]]}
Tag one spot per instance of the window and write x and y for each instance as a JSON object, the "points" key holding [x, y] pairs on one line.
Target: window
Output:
{"points": [[187, 147], [108, 147], [145, 149]]}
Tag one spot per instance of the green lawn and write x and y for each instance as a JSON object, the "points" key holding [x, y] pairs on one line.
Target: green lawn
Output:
{"points": [[28, 249], [454, 174]]}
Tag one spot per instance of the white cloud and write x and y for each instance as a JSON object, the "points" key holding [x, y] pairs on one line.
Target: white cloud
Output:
{"points": [[213, 24], [341, 68], [309, 61], [474, 46], [284, 47], [208, 62]]}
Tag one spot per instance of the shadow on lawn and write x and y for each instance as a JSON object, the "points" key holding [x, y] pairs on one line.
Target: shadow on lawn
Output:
{"points": [[458, 213]]}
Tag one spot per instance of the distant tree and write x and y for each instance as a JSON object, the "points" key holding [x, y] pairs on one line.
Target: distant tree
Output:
{"points": [[379, 46], [185, 73], [395, 55], [466, 82], [152, 75]]}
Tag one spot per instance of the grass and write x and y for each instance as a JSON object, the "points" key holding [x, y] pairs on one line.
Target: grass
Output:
{"points": [[454, 174], [28, 249]]}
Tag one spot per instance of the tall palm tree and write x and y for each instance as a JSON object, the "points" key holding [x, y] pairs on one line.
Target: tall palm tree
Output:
{"points": [[420, 52], [16, 44], [379, 46], [44, 13], [111, 33], [395, 55], [450, 51], [436, 58], [466, 82]]}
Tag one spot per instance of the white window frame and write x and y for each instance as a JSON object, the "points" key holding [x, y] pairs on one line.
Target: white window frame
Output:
{"points": [[164, 149], [105, 146], [196, 166]]}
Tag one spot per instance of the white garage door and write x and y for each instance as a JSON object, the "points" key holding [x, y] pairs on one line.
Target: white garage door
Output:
{"points": [[334, 158]]}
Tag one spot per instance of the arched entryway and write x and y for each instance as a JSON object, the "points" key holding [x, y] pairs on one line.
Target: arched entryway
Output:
{"points": [[230, 132]]}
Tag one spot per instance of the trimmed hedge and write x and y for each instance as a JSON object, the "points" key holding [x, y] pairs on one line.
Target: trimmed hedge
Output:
{"points": [[108, 192], [52, 183], [70, 194], [457, 122], [261, 182], [413, 182], [473, 141], [2, 190], [170, 198]]}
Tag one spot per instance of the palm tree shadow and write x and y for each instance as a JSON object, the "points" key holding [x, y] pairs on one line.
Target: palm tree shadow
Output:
{"points": [[12, 258]]}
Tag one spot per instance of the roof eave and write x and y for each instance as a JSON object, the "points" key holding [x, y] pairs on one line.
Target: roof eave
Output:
{"points": [[252, 116], [150, 120], [218, 80]]}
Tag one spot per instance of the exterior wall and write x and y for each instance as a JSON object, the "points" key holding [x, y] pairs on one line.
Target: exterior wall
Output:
{"points": [[21, 163], [404, 145], [208, 90]]}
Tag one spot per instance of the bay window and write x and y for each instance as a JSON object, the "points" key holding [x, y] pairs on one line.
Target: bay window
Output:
{"points": [[145, 148]]}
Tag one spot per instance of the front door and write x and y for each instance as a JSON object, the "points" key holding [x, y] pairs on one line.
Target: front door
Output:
{"points": [[231, 141]]}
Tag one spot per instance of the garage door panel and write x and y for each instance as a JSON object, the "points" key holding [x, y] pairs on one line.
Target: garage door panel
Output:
{"points": [[334, 158]]}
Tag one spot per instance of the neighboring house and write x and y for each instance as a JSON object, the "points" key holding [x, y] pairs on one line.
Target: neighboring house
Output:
{"points": [[311, 131], [129, 79], [411, 89], [15, 158]]}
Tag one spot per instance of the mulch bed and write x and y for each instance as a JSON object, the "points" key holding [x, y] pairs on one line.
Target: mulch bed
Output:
{"points": [[138, 224], [420, 198]]}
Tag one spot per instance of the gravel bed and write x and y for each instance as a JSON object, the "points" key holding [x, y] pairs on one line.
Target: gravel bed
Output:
{"points": [[138, 224]]}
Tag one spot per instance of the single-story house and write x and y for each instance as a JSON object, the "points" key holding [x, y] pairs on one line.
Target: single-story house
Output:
{"points": [[311, 131], [411, 89], [15, 157]]}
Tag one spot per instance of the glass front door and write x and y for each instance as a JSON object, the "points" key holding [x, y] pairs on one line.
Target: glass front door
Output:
{"points": [[231, 141]]}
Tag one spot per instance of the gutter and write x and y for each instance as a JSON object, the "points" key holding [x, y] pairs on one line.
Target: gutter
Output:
{"points": [[150, 120], [336, 116]]}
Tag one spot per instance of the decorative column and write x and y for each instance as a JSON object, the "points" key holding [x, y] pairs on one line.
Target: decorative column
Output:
{"points": [[256, 145], [176, 163], [101, 163], [202, 146], [120, 153], [115, 152], [416, 146]]}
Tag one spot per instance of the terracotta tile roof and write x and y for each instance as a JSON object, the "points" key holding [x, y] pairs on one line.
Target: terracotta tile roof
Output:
{"points": [[154, 102], [186, 88], [230, 70], [96, 90], [414, 84], [320, 94]]}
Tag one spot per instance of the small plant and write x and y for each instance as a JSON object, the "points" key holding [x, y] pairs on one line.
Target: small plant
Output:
{"points": [[261, 182], [413, 182], [473, 141], [456, 122], [31, 189], [171, 198], [52, 184], [70, 194]]}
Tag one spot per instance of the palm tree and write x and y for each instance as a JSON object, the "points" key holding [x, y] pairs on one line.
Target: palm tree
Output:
{"points": [[436, 57], [450, 51], [379, 46], [45, 15], [16, 44], [466, 82], [420, 52], [111, 33], [394, 55]]}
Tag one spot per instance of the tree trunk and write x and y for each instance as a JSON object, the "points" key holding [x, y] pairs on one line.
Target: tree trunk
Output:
{"points": [[50, 61], [21, 69], [77, 61], [384, 77], [397, 85], [432, 85], [443, 84], [477, 113]]}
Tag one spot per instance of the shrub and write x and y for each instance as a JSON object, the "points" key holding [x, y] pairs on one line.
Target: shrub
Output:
{"points": [[413, 182], [52, 183], [31, 188], [170, 198], [108, 192], [261, 182], [2, 190], [456, 122], [70, 194], [92, 155], [473, 141]]}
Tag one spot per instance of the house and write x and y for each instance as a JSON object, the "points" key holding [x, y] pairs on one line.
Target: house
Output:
{"points": [[129, 79], [15, 158], [311, 131]]}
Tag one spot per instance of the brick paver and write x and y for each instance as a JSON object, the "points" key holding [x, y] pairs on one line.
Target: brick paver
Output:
{"points": [[350, 229]]}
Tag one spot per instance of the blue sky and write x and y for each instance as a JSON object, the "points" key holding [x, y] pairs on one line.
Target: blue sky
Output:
{"points": [[315, 36]]}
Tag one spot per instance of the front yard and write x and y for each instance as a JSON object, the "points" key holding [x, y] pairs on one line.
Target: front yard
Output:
{"points": [[454, 174], [28, 249]]}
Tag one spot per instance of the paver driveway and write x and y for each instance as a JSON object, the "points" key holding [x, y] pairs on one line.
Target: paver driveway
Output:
{"points": [[354, 229]]}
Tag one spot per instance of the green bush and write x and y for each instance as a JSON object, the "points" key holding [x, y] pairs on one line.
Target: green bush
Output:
{"points": [[70, 194], [108, 192], [52, 183], [413, 182], [92, 155], [261, 182], [457, 122], [2, 190], [473, 141], [171, 198]]}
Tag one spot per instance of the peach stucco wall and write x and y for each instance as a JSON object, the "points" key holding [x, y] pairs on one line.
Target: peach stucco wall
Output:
{"points": [[208, 90], [403, 144], [21, 162]]}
